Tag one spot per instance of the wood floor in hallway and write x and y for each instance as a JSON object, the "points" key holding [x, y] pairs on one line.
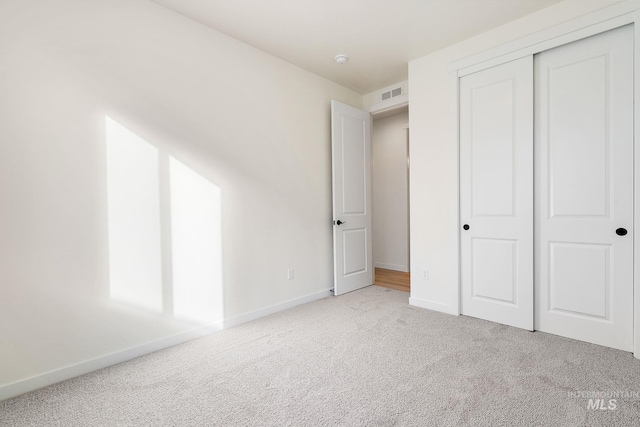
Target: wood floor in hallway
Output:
{"points": [[392, 279]]}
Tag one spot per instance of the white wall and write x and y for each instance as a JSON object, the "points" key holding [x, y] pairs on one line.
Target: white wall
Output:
{"points": [[390, 193], [200, 130], [433, 145]]}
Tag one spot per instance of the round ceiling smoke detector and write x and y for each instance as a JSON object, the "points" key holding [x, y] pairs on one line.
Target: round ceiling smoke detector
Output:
{"points": [[341, 59]]}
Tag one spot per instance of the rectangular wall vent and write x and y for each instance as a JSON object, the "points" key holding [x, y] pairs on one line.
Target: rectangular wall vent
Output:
{"points": [[392, 93]]}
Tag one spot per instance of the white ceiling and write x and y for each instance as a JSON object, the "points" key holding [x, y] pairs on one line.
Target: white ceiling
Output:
{"points": [[379, 36]]}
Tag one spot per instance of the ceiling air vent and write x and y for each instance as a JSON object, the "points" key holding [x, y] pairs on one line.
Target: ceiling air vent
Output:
{"points": [[392, 93]]}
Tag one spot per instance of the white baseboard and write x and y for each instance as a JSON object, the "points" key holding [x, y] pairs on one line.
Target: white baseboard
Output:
{"points": [[72, 371], [395, 267], [29, 384], [235, 321], [433, 305]]}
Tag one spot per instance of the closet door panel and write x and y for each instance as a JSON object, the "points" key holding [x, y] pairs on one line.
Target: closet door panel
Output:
{"points": [[584, 189], [496, 193]]}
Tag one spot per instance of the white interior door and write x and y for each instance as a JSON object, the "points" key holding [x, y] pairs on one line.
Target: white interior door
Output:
{"points": [[351, 172], [496, 193], [584, 189]]}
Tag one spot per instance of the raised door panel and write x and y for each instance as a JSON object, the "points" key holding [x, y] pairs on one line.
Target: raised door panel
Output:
{"points": [[580, 279], [353, 167], [492, 148], [494, 270], [577, 138], [355, 251]]}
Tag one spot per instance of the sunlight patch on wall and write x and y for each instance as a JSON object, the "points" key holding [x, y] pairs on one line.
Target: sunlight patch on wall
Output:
{"points": [[133, 194], [163, 217], [196, 245]]}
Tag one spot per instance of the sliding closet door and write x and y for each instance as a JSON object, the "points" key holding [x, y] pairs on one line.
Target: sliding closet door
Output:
{"points": [[584, 193], [496, 193]]}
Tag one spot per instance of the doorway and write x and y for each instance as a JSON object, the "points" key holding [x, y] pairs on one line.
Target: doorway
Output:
{"points": [[390, 199]]}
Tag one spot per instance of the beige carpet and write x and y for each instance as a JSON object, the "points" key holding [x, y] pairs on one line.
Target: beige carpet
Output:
{"points": [[362, 359]]}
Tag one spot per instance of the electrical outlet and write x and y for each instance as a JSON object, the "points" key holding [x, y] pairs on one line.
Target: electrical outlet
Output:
{"points": [[425, 274], [290, 274]]}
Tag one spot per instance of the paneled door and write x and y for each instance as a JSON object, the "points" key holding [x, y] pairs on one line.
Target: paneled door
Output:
{"points": [[496, 193], [351, 173], [584, 189]]}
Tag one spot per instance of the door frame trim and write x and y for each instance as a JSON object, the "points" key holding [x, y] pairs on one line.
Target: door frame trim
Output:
{"points": [[597, 22]]}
